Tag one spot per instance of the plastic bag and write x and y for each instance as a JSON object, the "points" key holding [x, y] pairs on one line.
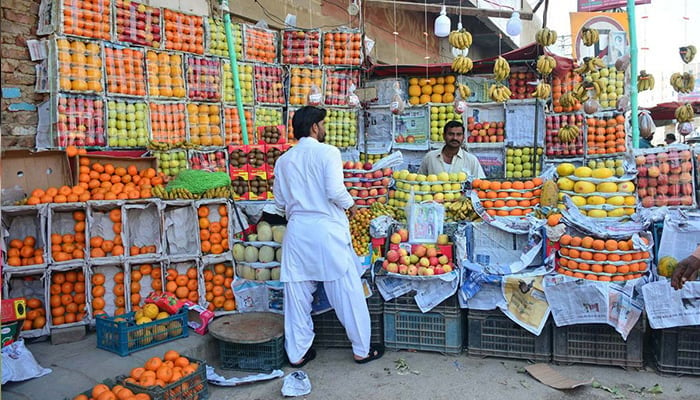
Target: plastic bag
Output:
{"points": [[19, 364], [425, 221], [296, 384], [685, 128], [646, 124], [591, 106], [314, 98], [622, 63], [623, 103], [397, 103], [353, 100]]}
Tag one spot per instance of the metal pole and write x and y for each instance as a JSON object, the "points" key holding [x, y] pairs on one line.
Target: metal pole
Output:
{"points": [[633, 72], [230, 40]]}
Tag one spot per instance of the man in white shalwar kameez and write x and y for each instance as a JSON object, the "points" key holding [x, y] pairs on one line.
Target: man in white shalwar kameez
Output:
{"points": [[317, 245]]}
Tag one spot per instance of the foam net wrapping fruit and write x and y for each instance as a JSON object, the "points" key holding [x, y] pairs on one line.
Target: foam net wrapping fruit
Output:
{"points": [[605, 134], [125, 71], [301, 47], [508, 198], [574, 126], [269, 84], [86, 18], [79, 121], [341, 127], [165, 73], [212, 161], [127, 123], [168, 122], [597, 259], [183, 32], [302, 81], [598, 192], [137, 23], [259, 44], [485, 131], [439, 116], [523, 162], [665, 176], [204, 124], [519, 85], [245, 77], [171, 162], [79, 65], [337, 84], [342, 47], [366, 184], [442, 188], [232, 125], [203, 78], [561, 84], [216, 38], [268, 116]]}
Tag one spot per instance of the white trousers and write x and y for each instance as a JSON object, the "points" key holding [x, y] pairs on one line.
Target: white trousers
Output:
{"points": [[345, 295]]}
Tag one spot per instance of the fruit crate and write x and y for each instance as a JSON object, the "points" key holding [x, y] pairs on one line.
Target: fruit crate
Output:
{"points": [[122, 336], [342, 47], [554, 147], [337, 83], [168, 122], [137, 23], [77, 18], [203, 78], [492, 333], [183, 32], [128, 122], [216, 43], [677, 350], [191, 387], [260, 44], [233, 132], [76, 66], [125, 70], [407, 328], [245, 77], [269, 84], [263, 357], [78, 120], [301, 47], [599, 344], [165, 75]]}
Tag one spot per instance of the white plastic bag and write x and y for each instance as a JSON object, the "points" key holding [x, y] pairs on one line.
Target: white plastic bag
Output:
{"points": [[18, 363], [397, 103], [315, 96], [296, 384], [353, 100]]}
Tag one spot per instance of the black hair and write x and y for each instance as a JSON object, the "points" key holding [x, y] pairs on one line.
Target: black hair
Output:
{"points": [[670, 136], [449, 125], [305, 118]]}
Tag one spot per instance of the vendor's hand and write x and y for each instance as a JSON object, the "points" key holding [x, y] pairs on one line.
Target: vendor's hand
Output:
{"points": [[352, 210], [687, 270]]}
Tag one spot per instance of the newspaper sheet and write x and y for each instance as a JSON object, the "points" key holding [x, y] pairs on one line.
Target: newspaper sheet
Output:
{"points": [[669, 308], [429, 293], [681, 236], [526, 303]]}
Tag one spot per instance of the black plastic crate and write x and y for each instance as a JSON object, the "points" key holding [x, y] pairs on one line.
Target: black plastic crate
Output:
{"points": [[262, 357], [331, 333], [492, 333], [407, 328], [599, 344], [191, 387], [677, 350]]}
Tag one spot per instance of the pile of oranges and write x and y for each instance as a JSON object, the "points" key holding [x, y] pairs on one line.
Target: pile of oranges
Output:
{"points": [[125, 71], [23, 252], [342, 48], [67, 299], [217, 282], [70, 245], [89, 18], [431, 90], [205, 124], [183, 286], [79, 66], [232, 125], [145, 271], [213, 229], [98, 293], [168, 122], [165, 75], [36, 315], [561, 85], [104, 392], [101, 247], [508, 198], [170, 369], [606, 135], [300, 84], [260, 45], [183, 32], [601, 260]]}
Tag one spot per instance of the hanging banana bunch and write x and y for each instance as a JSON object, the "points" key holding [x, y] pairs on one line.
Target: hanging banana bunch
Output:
{"points": [[501, 69], [568, 133], [546, 64], [499, 93], [464, 91], [542, 91], [460, 39], [685, 113], [462, 65], [683, 83], [546, 37], [687, 53], [590, 64], [580, 92], [567, 100], [590, 36], [645, 81]]}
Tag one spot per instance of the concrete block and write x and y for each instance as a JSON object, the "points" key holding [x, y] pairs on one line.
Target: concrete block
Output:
{"points": [[67, 335]]}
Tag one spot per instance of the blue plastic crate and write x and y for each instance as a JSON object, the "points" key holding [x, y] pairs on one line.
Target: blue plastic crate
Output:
{"points": [[121, 335], [407, 328]]}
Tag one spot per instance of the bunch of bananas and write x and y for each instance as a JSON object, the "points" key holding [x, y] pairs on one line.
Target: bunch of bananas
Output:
{"points": [[645, 81], [462, 65], [685, 113], [499, 93], [177, 193], [461, 210], [501, 69], [580, 92], [590, 36], [163, 146], [683, 83], [687, 53], [546, 64], [568, 133], [590, 64], [567, 100], [460, 39], [378, 209], [464, 91], [221, 192], [546, 37], [542, 91]]}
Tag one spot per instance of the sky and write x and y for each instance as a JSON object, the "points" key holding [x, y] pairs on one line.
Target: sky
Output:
{"points": [[660, 28]]}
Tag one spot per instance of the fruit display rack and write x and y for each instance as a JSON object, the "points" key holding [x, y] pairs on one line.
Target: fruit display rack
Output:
{"points": [[124, 70], [519, 85], [216, 38], [665, 176], [300, 83], [127, 123], [245, 77], [137, 23], [203, 78], [554, 148], [259, 44], [337, 83], [165, 75], [204, 124], [232, 125], [81, 18], [605, 134], [168, 122], [78, 66], [441, 114], [560, 85], [342, 47], [78, 120], [341, 127], [269, 84], [301, 47], [183, 32], [268, 116], [208, 160]]}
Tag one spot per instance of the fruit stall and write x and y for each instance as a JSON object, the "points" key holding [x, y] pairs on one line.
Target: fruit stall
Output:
{"points": [[163, 168]]}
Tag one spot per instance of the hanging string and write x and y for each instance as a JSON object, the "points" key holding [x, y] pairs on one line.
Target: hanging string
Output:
{"points": [[396, 46], [686, 20], [500, 38], [425, 34]]}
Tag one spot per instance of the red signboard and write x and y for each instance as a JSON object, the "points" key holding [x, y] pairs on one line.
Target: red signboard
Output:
{"points": [[602, 5]]}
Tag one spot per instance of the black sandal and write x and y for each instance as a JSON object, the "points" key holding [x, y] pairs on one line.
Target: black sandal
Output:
{"points": [[310, 355], [375, 353]]}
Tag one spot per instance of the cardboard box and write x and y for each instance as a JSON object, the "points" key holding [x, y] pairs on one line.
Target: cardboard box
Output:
{"points": [[13, 310], [273, 152], [257, 159], [118, 159], [261, 178], [28, 171], [238, 160], [282, 132], [240, 184]]}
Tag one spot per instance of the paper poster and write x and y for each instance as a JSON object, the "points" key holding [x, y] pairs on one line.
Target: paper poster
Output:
{"points": [[412, 128], [491, 158], [425, 222], [526, 303]]}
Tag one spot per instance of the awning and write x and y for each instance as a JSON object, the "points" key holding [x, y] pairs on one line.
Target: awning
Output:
{"points": [[666, 111]]}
